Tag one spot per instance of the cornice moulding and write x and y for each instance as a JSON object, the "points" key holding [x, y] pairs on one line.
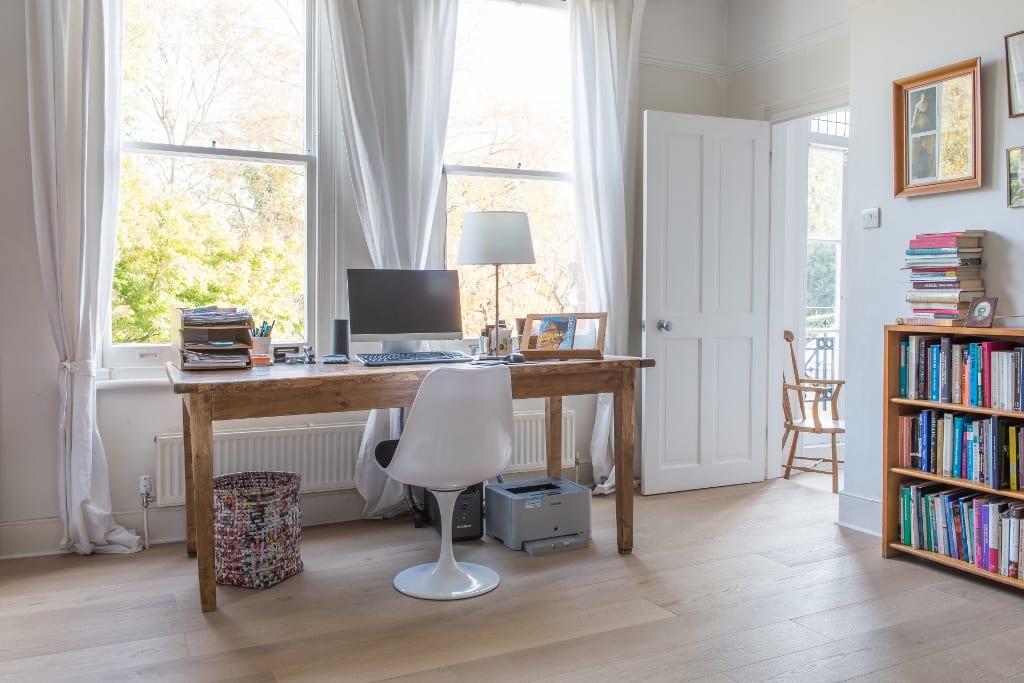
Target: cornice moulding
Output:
{"points": [[823, 37]]}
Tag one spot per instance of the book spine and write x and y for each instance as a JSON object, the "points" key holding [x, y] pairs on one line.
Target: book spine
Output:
{"points": [[933, 372], [1012, 446], [922, 368], [945, 349], [956, 367], [980, 554], [925, 436], [904, 345], [947, 445], [958, 437], [993, 537]]}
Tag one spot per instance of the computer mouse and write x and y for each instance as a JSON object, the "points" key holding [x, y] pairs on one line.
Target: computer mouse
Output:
{"points": [[515, 358]]}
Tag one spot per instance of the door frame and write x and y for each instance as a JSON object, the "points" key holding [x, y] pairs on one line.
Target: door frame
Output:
{"points": [[790, 141]]}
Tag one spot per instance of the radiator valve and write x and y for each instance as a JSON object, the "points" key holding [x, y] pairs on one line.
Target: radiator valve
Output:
{"points": [[146, 490]]}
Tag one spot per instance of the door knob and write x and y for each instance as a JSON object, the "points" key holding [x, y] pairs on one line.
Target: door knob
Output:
{"points": [[665, 325]]}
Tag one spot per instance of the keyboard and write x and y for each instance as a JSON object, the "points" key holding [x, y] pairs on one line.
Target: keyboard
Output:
{"points": [[413, 358]]}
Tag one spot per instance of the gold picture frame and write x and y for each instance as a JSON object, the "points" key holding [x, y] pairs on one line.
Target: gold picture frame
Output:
{"points": [[937, 130], [561, 343]]}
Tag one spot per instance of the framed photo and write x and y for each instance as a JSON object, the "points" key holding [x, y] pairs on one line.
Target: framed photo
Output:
{"points": [[1015, 73], [1015, 177], [937, 130], [563, 335], [981, 312]]}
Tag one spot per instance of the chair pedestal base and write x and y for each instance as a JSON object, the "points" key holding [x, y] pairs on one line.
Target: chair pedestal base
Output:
{"points": [[440, 581]]}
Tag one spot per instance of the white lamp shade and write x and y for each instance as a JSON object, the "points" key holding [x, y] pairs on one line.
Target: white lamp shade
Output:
{"points": [[495, 237]]}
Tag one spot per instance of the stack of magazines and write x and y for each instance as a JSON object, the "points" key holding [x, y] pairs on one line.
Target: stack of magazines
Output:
{"points": [[945, 274], [211, 315], [200, 360]]}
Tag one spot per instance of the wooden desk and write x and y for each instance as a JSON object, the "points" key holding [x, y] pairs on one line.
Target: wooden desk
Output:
{"points": [[210, 395]]}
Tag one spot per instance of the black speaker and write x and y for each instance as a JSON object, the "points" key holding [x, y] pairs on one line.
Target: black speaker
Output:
{"points": [[339, 339]]}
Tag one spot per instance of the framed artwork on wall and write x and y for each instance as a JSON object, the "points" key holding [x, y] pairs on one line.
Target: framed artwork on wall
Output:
{"points": [[1015, 177], [1015, 72], [937, 130]]}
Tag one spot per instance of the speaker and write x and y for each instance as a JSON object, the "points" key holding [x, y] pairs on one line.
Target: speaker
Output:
{"points": [[340, 336]]}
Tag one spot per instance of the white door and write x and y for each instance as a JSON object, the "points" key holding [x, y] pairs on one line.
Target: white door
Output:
{"points": [[706, 219]]}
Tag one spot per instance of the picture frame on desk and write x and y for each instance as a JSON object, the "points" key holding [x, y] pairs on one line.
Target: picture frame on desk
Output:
{"points": [[982, 311], [563, 336]]}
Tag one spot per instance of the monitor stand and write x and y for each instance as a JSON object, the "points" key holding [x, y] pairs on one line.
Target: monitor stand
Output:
{"points": [[399, 346]]}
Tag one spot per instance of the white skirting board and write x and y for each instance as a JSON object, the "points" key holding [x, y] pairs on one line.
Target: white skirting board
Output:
{"points": [[324, 455]]}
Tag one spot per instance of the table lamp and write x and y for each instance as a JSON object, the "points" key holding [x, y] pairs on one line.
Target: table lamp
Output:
{"points": [[494, 238]]}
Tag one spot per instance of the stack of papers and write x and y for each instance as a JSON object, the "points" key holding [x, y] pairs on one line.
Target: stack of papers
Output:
{"points": [[212, 361], [211, 315]]}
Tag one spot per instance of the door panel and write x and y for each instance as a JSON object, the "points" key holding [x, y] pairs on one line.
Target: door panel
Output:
{"points": [[705, 271]]}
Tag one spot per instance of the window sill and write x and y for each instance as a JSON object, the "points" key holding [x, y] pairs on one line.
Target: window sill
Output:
{"points": [[131, 378]]}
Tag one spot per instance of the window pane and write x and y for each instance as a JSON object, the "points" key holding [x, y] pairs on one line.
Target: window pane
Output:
{"points": [[825, 169], [199, 71], [549, 286], [510, 90], [195, 232], [822, 259]]}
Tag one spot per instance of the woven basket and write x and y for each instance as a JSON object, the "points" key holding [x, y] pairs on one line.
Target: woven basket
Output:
{"points": [[257, 528]]}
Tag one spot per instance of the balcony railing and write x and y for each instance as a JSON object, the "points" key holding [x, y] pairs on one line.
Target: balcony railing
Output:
{"points": [[820, 358]]}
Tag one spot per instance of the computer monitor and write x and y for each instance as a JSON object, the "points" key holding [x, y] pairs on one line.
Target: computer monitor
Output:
{"points": [[401, 307]]}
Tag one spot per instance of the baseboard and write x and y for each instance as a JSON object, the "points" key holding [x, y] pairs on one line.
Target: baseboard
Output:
{"points": [[860, 514], [34, 537], [30, 538]]}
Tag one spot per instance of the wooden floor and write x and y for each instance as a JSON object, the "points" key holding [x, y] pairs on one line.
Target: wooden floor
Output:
{"points": [[744, 583]]}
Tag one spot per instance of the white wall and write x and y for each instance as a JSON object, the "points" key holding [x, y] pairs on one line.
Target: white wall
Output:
{"points": [[786, 58], [891, 40], [28, 362]]}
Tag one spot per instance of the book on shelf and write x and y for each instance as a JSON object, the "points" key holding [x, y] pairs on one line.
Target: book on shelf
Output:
{"points": [[944, 274], [945, 285], [950, 296], [962, 252], [932, 321], [967, 238]]}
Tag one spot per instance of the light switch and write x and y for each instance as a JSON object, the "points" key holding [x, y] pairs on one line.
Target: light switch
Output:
{"points": [[869, 218]]}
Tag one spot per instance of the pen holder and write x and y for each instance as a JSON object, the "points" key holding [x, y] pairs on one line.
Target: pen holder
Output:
{"points": [[261, 346]]}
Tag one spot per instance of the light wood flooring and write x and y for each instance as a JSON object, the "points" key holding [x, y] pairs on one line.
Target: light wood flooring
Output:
{"points": [[743, 583]]}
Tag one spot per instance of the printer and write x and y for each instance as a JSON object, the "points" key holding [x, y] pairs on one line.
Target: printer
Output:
{"points": [[539, 516]]}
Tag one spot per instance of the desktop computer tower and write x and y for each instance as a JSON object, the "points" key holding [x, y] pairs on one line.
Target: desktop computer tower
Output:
{"points": [[468, 518]]}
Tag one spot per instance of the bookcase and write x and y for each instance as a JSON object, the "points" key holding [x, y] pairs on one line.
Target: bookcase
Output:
{"points": [[902, 475]]}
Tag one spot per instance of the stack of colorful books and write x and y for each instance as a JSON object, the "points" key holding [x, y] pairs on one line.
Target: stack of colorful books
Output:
{"points": [[945, 274]]}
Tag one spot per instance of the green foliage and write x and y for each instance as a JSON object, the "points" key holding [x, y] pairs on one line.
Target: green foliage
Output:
{"points": [[821, 284]]}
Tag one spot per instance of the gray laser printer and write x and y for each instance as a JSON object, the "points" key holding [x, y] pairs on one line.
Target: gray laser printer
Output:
{"points": [[539, 516]]}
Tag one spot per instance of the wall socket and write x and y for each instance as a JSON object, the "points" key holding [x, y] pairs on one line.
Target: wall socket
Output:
{"points": [[870, 218]]}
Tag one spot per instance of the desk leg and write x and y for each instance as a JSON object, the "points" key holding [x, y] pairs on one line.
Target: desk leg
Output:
{"points": [[190, 494], [553, 430], [625, 405], [201, 409]]}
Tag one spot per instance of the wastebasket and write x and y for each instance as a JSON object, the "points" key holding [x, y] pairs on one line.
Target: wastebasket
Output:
{"points": [[257, 528]]}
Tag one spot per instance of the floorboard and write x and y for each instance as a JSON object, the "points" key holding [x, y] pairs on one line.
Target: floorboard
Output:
{"points": [[741, 583]]}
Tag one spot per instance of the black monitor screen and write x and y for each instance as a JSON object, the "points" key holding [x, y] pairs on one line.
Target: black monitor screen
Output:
{"points": [[404, 304]]}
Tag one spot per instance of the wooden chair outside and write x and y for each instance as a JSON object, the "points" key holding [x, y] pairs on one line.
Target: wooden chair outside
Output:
{"points": [[800, 390]]}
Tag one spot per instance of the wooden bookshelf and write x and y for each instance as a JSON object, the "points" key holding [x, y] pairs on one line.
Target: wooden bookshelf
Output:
{"points": [[893, 474]]}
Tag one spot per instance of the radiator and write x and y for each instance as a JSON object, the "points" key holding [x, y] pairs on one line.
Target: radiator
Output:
{"points": [[325, 454]]}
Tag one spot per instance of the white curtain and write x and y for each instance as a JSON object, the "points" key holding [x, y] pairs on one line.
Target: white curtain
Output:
{"points": [[604, 37], [394, 60], [74, 97]]}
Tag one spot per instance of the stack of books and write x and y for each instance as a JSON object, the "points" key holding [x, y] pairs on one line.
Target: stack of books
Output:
{"points": [[945, 274]]}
